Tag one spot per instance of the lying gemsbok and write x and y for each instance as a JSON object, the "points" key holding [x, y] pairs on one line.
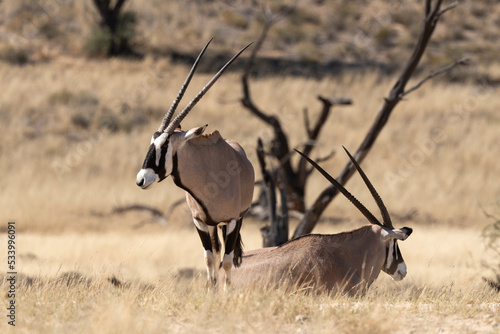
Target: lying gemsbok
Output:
{"points": [[215, 173], [338, 263]]}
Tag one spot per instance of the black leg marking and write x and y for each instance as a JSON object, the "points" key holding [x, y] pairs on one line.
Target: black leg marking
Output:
{"points": [[211, 257], [214, 237], [233, 243], [224, 232], [205, 239]]}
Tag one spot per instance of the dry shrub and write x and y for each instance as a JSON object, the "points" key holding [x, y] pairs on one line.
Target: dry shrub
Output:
{"points": [[491, 235]]}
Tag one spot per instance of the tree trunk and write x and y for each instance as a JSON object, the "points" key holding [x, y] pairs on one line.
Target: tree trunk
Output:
{"points": [[432, 15], [109, 20]]}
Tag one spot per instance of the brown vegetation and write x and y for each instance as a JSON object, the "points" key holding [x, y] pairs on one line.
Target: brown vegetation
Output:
{"points": [[354, 32], [71, 145]]}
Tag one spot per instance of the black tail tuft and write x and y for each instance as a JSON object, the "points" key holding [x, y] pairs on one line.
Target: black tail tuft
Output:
{"points": [[238, 251]]}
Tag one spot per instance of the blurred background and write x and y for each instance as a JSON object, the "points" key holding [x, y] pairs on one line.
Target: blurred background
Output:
{"points": [[85, 84]]}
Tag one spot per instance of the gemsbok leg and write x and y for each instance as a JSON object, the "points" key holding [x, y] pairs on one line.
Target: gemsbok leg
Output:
{"points": [[211, 245], [232, 245]]}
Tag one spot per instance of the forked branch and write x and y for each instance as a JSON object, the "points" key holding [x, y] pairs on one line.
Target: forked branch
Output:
{"points": [[313, 134], [158, 216], [294, 177], [432, 15], [280, 147], [276, 233], [463, 61]]}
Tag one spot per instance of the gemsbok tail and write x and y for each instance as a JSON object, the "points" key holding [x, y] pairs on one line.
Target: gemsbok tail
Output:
{"points": [[238, 251]]}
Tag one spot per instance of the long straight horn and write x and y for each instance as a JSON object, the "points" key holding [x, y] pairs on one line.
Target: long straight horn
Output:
{"points": [[386, 218], [177, 120], [171, 111], [371, 218]]}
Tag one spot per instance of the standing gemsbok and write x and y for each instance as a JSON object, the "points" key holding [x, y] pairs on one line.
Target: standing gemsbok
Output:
{"points": [[215, 173], [344, 262]]}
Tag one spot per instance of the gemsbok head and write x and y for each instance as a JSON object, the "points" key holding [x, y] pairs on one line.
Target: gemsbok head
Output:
{"points": [[345, 262], [215, 173]]}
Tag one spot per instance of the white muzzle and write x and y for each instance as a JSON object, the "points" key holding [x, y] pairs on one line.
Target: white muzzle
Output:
{"points": [[146, 177]]}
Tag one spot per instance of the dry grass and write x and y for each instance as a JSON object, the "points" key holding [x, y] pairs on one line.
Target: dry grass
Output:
{"points": [[75, 132], [437, 154], [72, 292]]}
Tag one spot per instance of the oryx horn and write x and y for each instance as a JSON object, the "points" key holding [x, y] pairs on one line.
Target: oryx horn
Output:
{"points": [[371, 218], [386, 218], [177, 120], [178, 98]]}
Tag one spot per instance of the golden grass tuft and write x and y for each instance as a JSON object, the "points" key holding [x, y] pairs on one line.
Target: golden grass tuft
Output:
{"points": [[163, 288]]}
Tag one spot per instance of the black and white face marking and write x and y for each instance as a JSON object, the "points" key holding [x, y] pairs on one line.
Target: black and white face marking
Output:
{"points": [[394, 264], [158, 162]]}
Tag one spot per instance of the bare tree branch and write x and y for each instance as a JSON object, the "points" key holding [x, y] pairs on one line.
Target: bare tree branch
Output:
{"points": [[268, 182], [277, 232], [158, 215], [447, 8], [306, 122], [313, 134], [137, 207], [279, 145], [427, 7], [395, 95], [463, 61], [326, 157], [295, 179], [322, 159], [118, 6]]}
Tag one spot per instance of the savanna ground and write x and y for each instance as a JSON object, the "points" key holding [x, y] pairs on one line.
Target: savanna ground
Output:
{"points": [[75, 132]]}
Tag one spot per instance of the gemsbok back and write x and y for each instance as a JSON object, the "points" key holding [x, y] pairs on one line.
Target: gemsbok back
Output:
{"points": [[347, 262], [215, 173]]}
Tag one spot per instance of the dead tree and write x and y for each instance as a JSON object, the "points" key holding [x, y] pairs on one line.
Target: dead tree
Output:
{"points": [[432, 12], [158, 216], [276, 233], [112, 20], [295, 178]]}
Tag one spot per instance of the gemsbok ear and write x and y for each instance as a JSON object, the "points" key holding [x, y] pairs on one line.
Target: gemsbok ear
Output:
{"points": [[397, 233], [195, 132]]}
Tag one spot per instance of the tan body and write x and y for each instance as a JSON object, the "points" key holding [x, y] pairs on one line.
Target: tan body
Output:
{"points": [[217, 176], [347, 262]]}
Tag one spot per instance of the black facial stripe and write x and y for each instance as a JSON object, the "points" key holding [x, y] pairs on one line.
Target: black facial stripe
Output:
{"points": [[150, 161], [161, 168], [396, 258]]}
